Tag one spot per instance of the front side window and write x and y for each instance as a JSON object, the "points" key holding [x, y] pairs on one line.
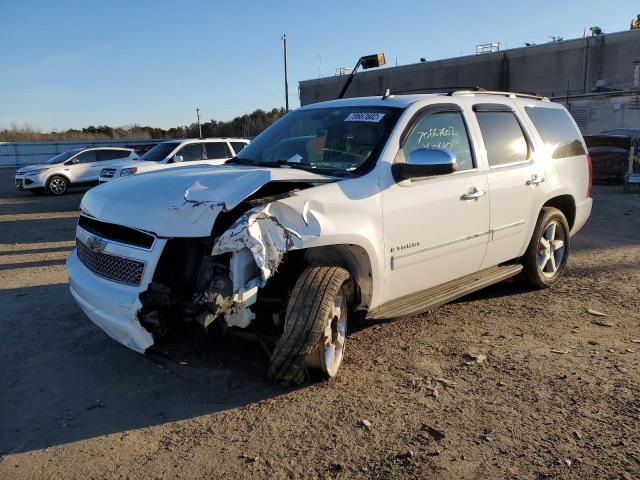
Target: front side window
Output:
{"points": [[191, 152], [557, 131], [336, 140], [237, 146], [503, 138], [444, 130], [217, 150], [86, 157]]}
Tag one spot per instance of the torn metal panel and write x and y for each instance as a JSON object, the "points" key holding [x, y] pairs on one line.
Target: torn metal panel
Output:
{"points": [[257, 242]]}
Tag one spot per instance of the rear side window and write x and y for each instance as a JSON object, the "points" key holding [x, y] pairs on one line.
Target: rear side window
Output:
{"points": [[503, 138], [237, 146], [217, 150], [445, 131], [191, 152], [112, 154], [557, 131]]}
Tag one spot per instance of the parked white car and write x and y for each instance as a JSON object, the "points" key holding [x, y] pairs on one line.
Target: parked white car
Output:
{"points": [[79, 167], [175, 153], [369, 207]]}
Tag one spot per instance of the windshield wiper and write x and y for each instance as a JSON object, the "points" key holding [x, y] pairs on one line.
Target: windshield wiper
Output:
{"points": [[239, 161]]}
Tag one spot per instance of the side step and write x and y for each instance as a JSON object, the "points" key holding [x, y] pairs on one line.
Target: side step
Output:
{"points": [[447, 292]]}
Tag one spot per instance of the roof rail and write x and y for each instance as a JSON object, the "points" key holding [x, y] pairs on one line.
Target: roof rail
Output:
{"points": [[502, 94]]}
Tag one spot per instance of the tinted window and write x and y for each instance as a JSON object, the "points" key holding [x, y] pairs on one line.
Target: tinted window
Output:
{"points": [[237, 146], [557, 131], [86, 157], [191, 152], [503, 138], [112, 154], [217, 150], [446, 131]]}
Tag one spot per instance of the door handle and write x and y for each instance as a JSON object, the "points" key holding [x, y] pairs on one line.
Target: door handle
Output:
{"points": [[473, 194], [535, 180]]}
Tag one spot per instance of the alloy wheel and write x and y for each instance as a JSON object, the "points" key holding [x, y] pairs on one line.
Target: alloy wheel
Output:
{"points": [[551, 249]]}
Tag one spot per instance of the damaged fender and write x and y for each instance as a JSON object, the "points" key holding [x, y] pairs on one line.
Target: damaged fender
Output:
{"points": [[257, 242]]}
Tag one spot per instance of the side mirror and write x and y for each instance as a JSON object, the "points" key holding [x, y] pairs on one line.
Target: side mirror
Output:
{"points": [[74, 161], [425, 162], [178, 158]]}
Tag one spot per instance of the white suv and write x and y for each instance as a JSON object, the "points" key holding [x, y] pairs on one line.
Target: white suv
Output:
{"points": [[175, 153], [79, 167], [362, 207]]}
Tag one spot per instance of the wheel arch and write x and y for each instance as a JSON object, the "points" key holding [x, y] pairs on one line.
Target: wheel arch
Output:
{"points": [[566, 204], [46, 182], [354, 259]]}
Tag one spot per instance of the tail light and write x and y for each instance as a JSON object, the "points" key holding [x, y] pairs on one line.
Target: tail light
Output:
{"points": [[590, 176]]}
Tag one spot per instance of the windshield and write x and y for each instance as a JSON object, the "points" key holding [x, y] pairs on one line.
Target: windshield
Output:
{"points": [[63, 157], [336, 140], [159, 152]]}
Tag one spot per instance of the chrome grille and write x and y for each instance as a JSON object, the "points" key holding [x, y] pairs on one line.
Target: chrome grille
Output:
{"points": [[111, 267], [108, 172]]}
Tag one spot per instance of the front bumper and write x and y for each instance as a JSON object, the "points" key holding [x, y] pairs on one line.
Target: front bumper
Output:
{"points": [[26, 182], [114, 306], [583, 210]]}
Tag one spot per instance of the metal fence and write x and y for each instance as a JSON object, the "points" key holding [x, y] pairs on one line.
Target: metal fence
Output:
{"points": [[13, 154]]}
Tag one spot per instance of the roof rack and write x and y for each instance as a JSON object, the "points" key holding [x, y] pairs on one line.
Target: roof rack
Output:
{"points": [[481, 91]]}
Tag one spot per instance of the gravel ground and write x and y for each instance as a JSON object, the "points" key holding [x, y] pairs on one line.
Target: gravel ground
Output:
{"points": [[506, 383]]}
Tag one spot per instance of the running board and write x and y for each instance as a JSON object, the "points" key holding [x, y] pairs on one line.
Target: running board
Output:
{"points": [[447, 292]]}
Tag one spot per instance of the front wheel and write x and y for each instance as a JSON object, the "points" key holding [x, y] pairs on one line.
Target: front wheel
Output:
{"points": [[57, 185], [315, 325], [546, 257]]}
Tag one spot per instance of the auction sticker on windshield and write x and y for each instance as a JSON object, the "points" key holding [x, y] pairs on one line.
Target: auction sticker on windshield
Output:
{"points": [[364, 117]]}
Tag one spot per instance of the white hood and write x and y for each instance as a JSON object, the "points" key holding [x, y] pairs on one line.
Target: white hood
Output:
{"points": [[185, 201], [38, 166]]}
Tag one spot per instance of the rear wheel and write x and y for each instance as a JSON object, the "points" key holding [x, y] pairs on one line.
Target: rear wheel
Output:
{"points": [[315, 325], [546, 257], [57, 185]]}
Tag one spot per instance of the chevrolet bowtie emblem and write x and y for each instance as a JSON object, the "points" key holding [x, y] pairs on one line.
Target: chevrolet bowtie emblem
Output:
{"points": [[96, 244]]}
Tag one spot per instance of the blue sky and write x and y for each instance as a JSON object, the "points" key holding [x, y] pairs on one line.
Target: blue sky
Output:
{"points": [[77, 63]]}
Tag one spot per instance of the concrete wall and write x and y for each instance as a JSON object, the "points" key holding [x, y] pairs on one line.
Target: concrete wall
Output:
{"points": [[549, 69]]}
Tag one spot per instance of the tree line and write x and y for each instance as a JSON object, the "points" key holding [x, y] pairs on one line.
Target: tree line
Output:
{"points": [[248, 125]]}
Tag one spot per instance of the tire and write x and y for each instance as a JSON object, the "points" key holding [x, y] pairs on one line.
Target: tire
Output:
{"points": [[57, 185], [315, 323], [546, 257]]}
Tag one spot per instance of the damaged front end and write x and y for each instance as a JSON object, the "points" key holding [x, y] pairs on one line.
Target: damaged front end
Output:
{"points": [[221, 279]]}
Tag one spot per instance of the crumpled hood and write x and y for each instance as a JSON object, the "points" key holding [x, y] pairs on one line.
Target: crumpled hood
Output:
{"points": [[185, 201]]}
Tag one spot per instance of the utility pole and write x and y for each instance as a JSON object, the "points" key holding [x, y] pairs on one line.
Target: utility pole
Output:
{"points": [[199, 126], [286, 79]]}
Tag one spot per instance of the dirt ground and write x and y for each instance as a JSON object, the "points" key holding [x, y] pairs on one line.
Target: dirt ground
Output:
{"points": [[558, 395]]}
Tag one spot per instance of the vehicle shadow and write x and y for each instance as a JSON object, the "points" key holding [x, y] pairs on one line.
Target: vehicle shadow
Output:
{"points": [[64, 380]]}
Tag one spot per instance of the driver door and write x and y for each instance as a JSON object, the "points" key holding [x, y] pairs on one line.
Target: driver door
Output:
{"points": [[434, 230], [84, 167]]}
